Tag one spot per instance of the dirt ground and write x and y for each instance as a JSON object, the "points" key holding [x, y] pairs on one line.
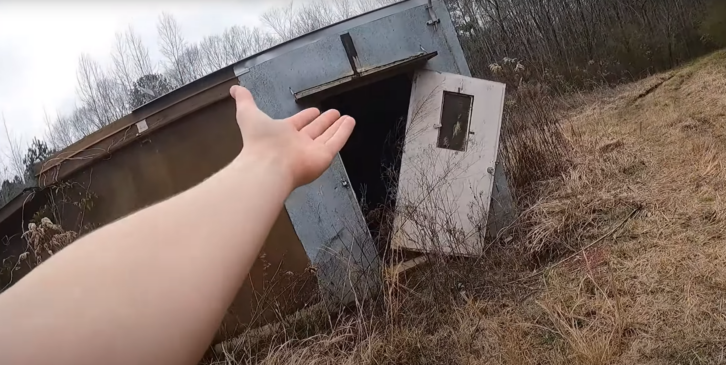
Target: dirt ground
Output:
{"points": [[645, 197]]}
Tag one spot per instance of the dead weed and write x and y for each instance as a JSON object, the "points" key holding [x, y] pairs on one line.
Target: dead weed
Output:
{"points": [[652, 292]]}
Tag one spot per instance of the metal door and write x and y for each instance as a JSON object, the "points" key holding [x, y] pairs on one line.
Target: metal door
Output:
{"points": [[448, 163]]}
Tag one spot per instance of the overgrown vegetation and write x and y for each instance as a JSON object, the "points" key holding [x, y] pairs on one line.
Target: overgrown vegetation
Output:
{"points": [[55, 225], [615, 257], [645, 184], [575, 44]]}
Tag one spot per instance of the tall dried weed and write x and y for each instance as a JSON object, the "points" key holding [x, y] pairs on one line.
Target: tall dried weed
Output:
{"points": [[650, 291]]}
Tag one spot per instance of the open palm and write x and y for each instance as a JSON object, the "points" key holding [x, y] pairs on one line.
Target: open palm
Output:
{"points": [[303, 146]]}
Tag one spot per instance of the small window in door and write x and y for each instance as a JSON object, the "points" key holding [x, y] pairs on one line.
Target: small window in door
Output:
{"points": [[455, 118]]}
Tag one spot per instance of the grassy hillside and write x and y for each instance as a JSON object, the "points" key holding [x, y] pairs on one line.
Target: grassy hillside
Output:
{"points": [[622, 259]]}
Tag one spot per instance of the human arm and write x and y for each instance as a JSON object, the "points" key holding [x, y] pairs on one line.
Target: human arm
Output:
{"points": [[152, 288]]}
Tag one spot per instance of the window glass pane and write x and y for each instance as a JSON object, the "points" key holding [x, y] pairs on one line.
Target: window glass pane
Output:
{"points": [[455, 117]]}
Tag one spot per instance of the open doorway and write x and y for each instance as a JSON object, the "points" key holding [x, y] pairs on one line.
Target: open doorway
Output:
{"points": [[372, 156]]}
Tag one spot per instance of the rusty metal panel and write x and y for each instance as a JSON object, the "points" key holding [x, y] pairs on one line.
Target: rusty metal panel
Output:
{"points": [[167, 162], [120, 133]]}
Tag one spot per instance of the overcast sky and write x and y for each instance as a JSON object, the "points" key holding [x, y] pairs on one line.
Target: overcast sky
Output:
{"points": [[40, 42]]}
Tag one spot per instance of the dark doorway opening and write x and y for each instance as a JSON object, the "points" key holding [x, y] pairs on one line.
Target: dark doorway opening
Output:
{"points": [[372, 156]]}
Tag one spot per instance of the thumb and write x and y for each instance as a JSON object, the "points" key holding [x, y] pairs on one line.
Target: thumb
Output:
{"points": [[243, 98]]}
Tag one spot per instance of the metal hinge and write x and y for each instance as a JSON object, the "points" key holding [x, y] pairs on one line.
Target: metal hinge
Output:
{"points": [[434, 19]]}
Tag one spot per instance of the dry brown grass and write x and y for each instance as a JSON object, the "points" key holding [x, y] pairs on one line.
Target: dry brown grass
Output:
{"points": [[653, 292]]}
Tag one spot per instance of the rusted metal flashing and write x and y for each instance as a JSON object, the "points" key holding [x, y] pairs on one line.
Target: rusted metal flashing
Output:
{"points": [[432, 14], [364, 77]]}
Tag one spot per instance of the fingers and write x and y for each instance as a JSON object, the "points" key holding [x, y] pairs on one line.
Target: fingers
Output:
{"points": [[330, 132], [321, 124], [243, 98], [303, 118], [341, 135]]}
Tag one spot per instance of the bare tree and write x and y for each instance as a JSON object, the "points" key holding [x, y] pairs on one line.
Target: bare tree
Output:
{"points": [[122, 70], [312, 16], [172, 46], [130, 59], [81, 122], [192, 62], [102, 96], [214, 52], [139, 54], [343, 9], [281, 20], [288, 21], [261, 40], [114, 99], [88, 74], [236, 42], [363, 6], [14, 154], [580, 43], [242, 41], [103, 99], [59, 132]]}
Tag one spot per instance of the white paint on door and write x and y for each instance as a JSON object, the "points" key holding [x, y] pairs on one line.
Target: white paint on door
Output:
{"points": [[444, 194]]}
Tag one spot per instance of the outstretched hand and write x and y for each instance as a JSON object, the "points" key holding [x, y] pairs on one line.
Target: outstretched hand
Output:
{"points": [[302, 146]]}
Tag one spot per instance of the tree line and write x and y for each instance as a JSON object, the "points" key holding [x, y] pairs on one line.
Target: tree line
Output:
{"points": [[545, 48], [20, 165], [573, 44]]}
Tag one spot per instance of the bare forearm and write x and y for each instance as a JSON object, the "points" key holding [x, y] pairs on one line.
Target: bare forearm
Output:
{"points": [[174, 267], [153, 287]]}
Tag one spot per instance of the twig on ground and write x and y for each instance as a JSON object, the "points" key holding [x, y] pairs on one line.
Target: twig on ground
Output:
{"points": [[606, 235]]}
